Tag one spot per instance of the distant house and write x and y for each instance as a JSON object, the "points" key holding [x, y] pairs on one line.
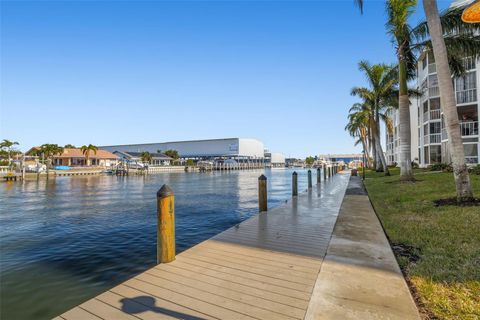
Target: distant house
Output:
{"points": [[158, 159], [73, 157]]}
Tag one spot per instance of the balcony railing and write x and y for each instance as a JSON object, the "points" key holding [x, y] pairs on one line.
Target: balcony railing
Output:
{"points": [[432, 67], [469, 128], [466, 96], [466, 128], [431, 115], [433, 92], [432, 138], [435, 114]]}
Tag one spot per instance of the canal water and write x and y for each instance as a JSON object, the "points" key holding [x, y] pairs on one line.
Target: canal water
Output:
{"points": [[68, 239]]}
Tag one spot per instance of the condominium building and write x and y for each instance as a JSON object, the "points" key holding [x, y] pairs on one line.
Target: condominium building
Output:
{"points": [[432, 134], [428, 128]]}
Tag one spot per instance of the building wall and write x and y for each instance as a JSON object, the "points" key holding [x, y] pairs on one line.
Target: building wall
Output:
{"points": [[277, 158], [200, 148]]}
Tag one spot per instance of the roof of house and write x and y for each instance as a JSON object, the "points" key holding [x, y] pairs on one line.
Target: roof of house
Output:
{"points": [[77, 153]]}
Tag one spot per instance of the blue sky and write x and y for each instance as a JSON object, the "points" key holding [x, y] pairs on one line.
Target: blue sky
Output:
{"points": [[112, 72]]}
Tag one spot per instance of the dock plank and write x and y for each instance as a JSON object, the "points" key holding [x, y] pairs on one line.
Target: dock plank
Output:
{"points": [[264, 268]]}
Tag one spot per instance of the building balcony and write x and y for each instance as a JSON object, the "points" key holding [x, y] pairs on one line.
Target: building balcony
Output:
{"points": [[432, 68], [468, 129], [432, 115], [432, 138], [433, 92], [466, 96]]}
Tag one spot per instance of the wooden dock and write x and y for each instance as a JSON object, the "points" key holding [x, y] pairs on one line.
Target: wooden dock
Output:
{"points": [[263, 268]]}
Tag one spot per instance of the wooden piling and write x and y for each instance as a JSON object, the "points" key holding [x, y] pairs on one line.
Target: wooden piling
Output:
{"points": [[309, 179], [318, 175], [262, 193], [324, 172], [165, 225], [294, 184]]}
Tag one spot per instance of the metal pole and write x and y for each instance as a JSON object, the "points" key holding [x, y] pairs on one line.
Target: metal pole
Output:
{"points": [[165, 225], [262, 193]]}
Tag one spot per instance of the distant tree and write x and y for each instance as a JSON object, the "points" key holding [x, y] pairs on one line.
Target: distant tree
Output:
{"points": [[190, 162], [6, 145], [172, 154], [70, 146], [309, 160], [146, 157], [86, 151], [159, 151]]}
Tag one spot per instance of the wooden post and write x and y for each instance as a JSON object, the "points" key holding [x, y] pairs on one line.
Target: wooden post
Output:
{"points": [[262, 193], [309, 179], [294, 184], [318, 175], [324, 172], [165, 225]]}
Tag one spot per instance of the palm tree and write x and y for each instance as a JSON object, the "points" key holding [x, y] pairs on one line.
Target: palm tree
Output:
{"points": [[86, 151], [49, 150], [7, 144], [146, 157], [358, 126], [398, 12], [377, 98], [447, 96]]}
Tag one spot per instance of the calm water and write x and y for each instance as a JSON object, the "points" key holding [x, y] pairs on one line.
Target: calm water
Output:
{"points": [[68, 239]]}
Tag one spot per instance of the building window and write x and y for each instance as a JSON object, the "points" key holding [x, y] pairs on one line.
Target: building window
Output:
{"points": [[425, 155], [435, 127], [424, 63]]}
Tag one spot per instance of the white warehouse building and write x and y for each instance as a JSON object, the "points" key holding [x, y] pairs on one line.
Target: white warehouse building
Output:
{"points": [[230, 148]]}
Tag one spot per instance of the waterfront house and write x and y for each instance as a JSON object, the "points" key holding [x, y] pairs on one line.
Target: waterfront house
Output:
{"points": [[157, 159], [74, 157]]}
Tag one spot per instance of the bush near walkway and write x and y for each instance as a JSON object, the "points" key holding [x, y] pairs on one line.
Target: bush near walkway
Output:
{"points": [[438, 248]]}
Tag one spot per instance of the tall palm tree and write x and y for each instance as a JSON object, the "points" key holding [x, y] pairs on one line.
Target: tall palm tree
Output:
{"points": [[398, 12], [86, 151], [382, 82], [447, 96]]}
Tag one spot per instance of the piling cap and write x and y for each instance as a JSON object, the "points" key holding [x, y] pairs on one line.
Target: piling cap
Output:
{"points": [[309, 170], [262, 177], [164, 191], [294, 173]]}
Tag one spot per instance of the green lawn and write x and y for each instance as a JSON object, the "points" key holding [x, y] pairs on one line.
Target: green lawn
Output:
{"points": [[446, 240]]}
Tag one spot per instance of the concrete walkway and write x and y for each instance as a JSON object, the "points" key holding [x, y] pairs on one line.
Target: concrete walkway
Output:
{"points": [[359, 277]]}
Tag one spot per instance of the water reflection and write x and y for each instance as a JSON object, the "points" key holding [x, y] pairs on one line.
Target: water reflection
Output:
{"points": [[67, 239]]}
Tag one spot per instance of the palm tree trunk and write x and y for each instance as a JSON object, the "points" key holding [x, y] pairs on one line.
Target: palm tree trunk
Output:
{"points": [[374, 145], [381, 156], [406, 172], [448, 104]]}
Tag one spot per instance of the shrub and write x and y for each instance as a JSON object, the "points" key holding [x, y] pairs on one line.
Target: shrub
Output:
{"points": [[475, 169], [414, 165], [440, 167], [4, 162]]}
